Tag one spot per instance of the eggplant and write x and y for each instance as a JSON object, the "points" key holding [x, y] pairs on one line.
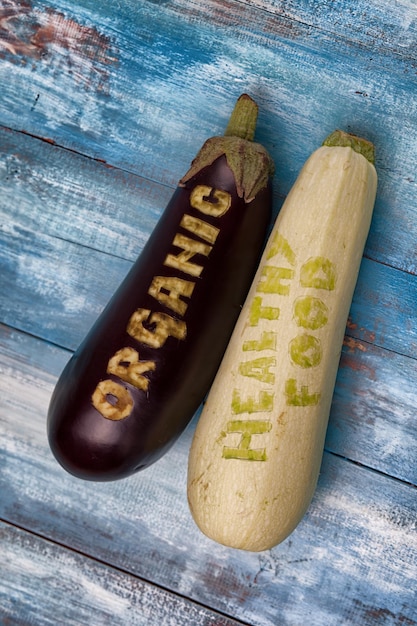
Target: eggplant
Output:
{"points": [[144, 368]]}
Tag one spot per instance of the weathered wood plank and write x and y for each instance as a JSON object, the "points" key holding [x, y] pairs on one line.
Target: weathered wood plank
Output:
{"points": [[49, 189], [360, 528], [384, 308], [46, 282], [373, 417], [371, 422], [42, 583], [172, 92], [178, 39], [373, 412], [379, 25], [55, 289], [55, 192]]}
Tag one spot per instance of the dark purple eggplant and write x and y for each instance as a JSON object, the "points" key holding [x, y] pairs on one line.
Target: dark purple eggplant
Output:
{"points": [[144, 368]]}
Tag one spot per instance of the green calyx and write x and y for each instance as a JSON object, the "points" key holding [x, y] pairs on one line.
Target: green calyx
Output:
{"points": [[249, 161], [358, 144]]}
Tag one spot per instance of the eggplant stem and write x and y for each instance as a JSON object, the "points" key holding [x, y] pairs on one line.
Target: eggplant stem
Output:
{"points": [[249, 161], [242, 122]]}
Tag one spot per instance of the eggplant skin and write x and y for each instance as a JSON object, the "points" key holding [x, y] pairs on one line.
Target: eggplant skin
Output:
{"points": [[136, 424]]}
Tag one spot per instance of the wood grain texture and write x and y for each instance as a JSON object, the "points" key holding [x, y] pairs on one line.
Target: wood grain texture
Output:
{"points": [[49, 190], [56, 289], [77, 590], [192, 68], [360, 528], [379, 290], [61, 211], [380, 26], [373, 412], [307, 82], [51, 195]]}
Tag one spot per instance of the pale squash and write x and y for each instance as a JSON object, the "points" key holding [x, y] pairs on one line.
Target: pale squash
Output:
{"points": [[257, 450]]}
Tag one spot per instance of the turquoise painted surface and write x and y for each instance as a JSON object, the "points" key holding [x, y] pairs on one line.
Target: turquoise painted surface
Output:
{"points": [[121, 599], [102, 107]]}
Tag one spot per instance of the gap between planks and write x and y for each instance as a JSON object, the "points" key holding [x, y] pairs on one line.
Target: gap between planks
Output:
{"points": [[124, 572]]}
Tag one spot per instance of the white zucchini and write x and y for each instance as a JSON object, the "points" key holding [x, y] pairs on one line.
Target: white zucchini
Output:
{"points": [[257, 450]]}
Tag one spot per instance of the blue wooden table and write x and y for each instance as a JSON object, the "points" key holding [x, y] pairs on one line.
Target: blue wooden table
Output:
{"points": [[103, 105]]}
